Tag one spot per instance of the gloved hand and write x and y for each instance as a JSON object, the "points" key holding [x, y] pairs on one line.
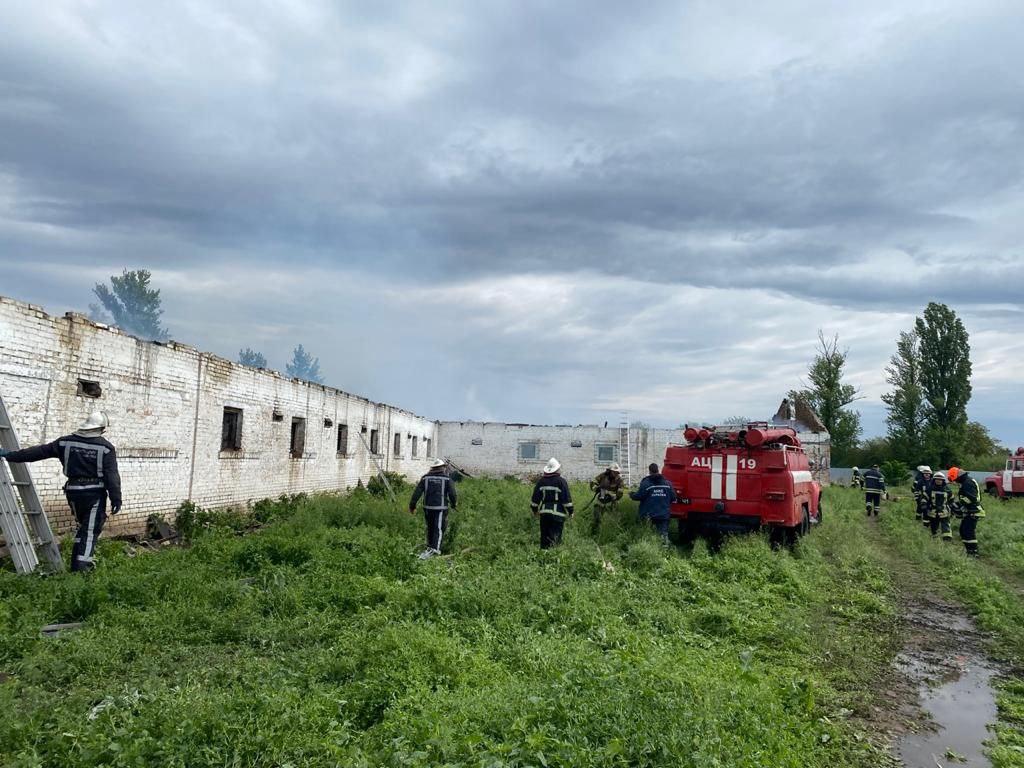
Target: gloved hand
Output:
{"points": [[3, 453], [115, 508]]}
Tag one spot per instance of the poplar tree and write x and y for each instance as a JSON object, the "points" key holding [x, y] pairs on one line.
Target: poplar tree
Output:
{"points": [[905, 403], [945, 380]]}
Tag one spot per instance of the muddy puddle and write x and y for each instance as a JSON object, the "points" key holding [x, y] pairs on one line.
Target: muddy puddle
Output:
{"points": [[953, 678]]}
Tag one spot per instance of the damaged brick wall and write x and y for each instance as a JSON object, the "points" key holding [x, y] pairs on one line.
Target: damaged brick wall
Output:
{"points": [[166, 403]]}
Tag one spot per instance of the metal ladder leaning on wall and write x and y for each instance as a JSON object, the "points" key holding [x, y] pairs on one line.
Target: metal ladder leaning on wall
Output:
{"points": [[25, 543]]}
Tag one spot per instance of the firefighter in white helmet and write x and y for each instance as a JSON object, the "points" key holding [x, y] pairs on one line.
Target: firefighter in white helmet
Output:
{"points": [[438, 492], [922, 480], [940, 506], [552, 503], [90, 465]]}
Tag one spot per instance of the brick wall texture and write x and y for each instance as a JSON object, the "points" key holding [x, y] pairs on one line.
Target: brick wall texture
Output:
{"points": [[166, 405]]}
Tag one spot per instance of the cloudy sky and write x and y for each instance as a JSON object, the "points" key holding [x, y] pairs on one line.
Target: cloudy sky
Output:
{"points": [[531, 211]]}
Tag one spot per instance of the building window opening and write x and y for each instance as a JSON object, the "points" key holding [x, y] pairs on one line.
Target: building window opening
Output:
{"points": [[298, 443], [415, 446], [529, 451], [231, 430], [430, 447], [398, 445], [375, 442], [343, 439], [606, 453], [89, 388]]}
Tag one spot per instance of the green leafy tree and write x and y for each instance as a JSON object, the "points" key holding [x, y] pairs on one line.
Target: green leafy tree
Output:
{"points": [[130, 304], [252, 358], [829, 396], [905, 402], [945, 380], [304, 366]]}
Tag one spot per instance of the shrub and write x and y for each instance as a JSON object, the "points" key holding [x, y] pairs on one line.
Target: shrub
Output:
{"points": [[896, 472]]}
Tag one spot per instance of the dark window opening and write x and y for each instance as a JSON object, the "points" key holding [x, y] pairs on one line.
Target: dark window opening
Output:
{"points": [[477, 441], [298, 444], [231, 430], [576, 444], [278, 416], [89, 388], [328, 423], [398, 444], [529, 451], [343, 439], [415, 445], [430, 447], [375, 441]]}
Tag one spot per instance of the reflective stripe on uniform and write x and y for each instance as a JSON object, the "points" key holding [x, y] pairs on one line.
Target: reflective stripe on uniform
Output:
{"points": [[100, 450], [553, 512]]}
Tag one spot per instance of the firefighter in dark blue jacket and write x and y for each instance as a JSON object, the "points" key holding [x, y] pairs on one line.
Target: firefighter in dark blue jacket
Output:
{"points": [[552, 503], [90, 464], [655, 495], [874, 487], [922, 480], [438, 492], [940, 505]]}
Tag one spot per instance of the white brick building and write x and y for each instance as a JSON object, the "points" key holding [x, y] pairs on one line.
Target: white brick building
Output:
{"points": [[496, 449], [188, 424]]}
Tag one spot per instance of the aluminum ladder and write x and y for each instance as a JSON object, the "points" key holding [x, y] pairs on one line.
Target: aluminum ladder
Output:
{"points": [[19, 503], [625, 435]]}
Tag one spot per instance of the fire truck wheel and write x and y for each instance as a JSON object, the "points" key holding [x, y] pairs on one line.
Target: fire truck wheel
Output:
{"points": [[991, 489], [688, 533], [805, 524]]}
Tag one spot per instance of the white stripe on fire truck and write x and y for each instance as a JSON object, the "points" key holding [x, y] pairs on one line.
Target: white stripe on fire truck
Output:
{"points": [[716, 477], [731, 465], [803, 476]]}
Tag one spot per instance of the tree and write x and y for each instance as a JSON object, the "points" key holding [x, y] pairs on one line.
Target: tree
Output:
{"points": [[905, 403], [252, 358], [304, 366], [829, 396], [978, 441], [945, 380], [130, 304]]}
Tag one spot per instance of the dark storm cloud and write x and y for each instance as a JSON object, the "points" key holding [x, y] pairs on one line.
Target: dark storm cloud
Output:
{"points": [[855, 162]]}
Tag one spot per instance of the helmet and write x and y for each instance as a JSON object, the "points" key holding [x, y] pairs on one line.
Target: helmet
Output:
{"points": [[856, 470], [925, 469], [954, 473], [614, 467], [920, 467], [940, 475], [552, 466], [438, 463], [94, 425]]}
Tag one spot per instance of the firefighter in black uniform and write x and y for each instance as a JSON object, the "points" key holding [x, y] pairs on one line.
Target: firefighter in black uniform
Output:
{"points": [[90, 464], [968, 507], [438, 492], [921, 482], [607, 487], [874, 487], [552, 503], [857, 479], [940, 503]]}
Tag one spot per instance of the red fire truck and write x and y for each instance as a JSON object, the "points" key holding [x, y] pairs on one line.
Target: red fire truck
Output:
{"points": [[1009, 482], [731, 479]]}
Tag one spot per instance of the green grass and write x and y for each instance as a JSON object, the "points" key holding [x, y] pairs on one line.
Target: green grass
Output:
{"points": [[321, 640]]}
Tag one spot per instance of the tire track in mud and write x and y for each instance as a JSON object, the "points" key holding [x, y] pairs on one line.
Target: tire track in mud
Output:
{"points": [[940, 698]]}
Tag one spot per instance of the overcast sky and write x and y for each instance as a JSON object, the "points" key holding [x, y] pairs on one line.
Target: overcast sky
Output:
{"points": [[529, 211]]}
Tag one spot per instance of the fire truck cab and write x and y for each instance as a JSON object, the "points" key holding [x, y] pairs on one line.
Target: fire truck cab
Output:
{"points": [[731, 479], [1009, 482]]}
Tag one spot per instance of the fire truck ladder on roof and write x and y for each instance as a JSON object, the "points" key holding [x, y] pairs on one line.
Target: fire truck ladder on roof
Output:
{"points": [[26, 544], [624, 441]]}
